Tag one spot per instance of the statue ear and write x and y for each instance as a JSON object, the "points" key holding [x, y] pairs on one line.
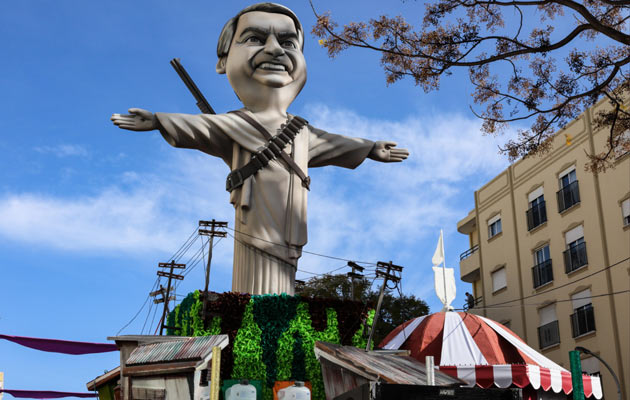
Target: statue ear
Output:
{"points": [[221, 65]]}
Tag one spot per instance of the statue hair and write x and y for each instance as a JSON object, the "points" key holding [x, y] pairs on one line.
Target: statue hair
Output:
{"points": [[227, 33]]}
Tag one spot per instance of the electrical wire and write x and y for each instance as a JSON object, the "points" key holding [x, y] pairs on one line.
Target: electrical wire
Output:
{"points": [[556, 301], [325, 273], [559, 287], [141, 308], [155, 284], [303, 251], [177, 253]]}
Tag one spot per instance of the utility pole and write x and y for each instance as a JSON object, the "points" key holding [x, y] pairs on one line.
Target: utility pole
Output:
{"points": [[354, 275], [212, 232], [161, 292], [170, 275], [383, 270]]}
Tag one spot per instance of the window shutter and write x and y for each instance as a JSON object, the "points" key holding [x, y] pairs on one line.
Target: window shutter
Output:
{"points": [[535, 194], [625, 208], [499, 280], [494, 219], [566, 171], [574, 234], [547, 314], [581, 298]]}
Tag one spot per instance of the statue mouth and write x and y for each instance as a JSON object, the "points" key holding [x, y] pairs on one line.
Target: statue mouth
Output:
{"points": [[272, 66]]}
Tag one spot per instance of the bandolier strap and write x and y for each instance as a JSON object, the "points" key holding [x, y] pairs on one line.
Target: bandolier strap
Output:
{"points": [[272, 149]]}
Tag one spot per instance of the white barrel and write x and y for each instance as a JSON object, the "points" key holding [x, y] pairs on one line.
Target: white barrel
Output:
{"points": [[241, 391], [296, 392]]}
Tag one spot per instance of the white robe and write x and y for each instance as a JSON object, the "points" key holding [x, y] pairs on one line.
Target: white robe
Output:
{"points": [[270, 207]]}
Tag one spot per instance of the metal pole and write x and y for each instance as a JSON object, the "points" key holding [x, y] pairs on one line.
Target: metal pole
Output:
{"points": [[378, 309], [429, 364]]}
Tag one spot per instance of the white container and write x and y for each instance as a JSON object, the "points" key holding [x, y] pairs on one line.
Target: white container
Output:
{"points": [[296, 392], [241, 391]]}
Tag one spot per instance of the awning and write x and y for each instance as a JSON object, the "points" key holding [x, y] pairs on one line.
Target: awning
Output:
{"points": [[503, 376]]}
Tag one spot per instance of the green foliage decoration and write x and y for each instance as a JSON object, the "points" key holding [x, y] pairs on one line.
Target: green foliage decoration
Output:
{"points": [[361, 335], [273, 337], [248, 352], [273, 313]]}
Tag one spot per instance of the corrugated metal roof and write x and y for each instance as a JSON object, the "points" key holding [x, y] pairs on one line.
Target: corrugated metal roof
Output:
{"points": [[384, 366], [194, 348]]}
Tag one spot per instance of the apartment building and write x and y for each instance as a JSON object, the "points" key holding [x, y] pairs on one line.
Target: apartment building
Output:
{"points": [[549, 252]]}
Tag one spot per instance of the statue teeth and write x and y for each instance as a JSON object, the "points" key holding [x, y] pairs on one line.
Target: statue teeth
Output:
{"points": [[275, 67]]}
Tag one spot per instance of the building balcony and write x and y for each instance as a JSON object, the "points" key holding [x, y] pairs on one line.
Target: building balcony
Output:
{"points": [[568, 196], [583, 320], [469, 263], [536, 215], [575, 257], [548, 335], [543, 273]]}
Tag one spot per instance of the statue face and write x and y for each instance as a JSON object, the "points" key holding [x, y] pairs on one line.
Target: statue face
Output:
{"points": [[265, 54]]}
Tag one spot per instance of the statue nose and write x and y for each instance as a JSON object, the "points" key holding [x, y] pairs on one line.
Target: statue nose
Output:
{"points": [[273, 47]]}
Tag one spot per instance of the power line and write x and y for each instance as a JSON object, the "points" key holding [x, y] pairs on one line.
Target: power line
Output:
{"points": [[140, 310], [177, 255], [558, 287], [322, 274], [556, 301], [303, 251]]}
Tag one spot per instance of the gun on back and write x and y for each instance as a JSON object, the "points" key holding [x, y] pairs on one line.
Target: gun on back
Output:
{"points": [[202, 103]]}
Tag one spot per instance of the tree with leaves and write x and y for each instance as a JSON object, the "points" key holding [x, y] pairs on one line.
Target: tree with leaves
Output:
{"points": [[396, 308], [540, 61]]}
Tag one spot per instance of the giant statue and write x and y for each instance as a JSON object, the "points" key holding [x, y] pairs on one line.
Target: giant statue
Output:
{"points": [[267, 149]]}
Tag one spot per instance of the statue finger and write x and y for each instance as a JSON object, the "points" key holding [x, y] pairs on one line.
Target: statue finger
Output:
{"points": [[388, 144]]}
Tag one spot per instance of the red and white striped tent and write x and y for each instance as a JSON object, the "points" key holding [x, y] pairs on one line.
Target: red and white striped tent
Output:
{"points": [[483, 352]]}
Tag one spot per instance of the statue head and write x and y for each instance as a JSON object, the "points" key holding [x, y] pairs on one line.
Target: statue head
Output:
{"points": [[260, 50]]}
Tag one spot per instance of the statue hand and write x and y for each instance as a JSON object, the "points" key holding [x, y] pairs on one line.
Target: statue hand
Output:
{"points": [[384, 151], [137, 120]]}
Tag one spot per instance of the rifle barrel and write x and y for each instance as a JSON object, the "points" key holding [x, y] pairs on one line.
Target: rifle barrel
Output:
{"points": [[202, 103]]}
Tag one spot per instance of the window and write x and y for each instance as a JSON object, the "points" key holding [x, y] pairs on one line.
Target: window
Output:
{"points": [[494, 226], [537, 212], [625, 212], [499, 280], [575, 254], [543, 272], [569, 193], [548, 331], [583, 317]]}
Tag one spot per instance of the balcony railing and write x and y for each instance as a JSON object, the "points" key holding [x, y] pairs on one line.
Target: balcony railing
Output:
{"points": [[548, 335], [583, 320], [568, 196], [536, 215], [543, 273], [468, 252], [575, 257]]}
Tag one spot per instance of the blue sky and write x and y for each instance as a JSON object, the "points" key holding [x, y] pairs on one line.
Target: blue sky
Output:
{"points": [[88, 210]]}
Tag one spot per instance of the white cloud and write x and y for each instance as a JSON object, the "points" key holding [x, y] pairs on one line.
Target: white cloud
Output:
{"points": [[64, 150]]}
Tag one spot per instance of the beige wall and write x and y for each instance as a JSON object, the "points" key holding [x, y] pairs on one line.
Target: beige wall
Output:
{"points": [[607, 246]]}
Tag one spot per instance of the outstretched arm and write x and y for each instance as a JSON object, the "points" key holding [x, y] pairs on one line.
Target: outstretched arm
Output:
{"points": [[137, 120], [384, 151]]}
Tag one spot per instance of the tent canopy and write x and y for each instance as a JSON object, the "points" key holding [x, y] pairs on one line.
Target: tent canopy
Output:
{"points": [[482, 352]]}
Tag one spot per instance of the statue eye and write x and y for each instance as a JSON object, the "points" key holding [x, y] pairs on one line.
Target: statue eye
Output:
{"points": [[254, 40], [289, 44]]}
